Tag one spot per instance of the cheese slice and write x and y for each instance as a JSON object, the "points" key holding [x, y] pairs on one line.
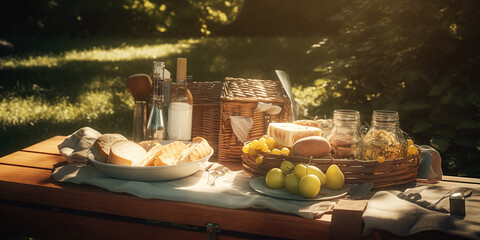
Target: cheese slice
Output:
{"points": [[126, 153], [286, 134]]}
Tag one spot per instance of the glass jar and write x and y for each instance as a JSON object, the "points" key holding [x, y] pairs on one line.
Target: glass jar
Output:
{"points": [[384, 140], [345, 137]]}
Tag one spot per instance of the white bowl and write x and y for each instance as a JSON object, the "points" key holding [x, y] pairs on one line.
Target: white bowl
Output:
{"points": [[149, 173]]}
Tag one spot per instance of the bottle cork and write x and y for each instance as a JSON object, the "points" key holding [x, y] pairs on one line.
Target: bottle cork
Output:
{"points": [[181, 68]]}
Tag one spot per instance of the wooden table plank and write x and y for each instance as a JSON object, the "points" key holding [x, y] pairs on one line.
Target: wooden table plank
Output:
{"points": [[461, 179], [32, 159], [44, 224], [49, 146], [34, 185]]}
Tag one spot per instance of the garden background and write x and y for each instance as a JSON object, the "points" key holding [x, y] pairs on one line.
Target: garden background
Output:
{"points": [[64, 64]]}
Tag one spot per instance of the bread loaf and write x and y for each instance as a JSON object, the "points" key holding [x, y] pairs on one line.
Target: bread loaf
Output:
{"points": [[101, 146], [164, 156], [314, 146], [126, 153]]}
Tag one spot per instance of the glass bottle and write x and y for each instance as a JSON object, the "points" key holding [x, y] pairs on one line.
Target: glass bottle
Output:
{"points": [[384, 139], [156, 120], [345, 136], [180, 108]]}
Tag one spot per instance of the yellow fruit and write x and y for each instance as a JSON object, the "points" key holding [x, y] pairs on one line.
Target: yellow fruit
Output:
{"points": [[262, 141], [410, 142], [300, 170], [259, 159], [276, 151], [271, 143], [285, 151], [412, 150], [286, 166], [254, 144], [264, 147], [309, 186], [335, 178], [245, 149], [252, 151], [317, 172], [274, 178], [381, 159], [291, 183]]}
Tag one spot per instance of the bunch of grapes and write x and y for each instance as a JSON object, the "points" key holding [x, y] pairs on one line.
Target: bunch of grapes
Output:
{"points": [[263, 146]]}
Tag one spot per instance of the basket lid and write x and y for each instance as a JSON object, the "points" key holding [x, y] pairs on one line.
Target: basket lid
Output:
{"points": [[253, 90]]}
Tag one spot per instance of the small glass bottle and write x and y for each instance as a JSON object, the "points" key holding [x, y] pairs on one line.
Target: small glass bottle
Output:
{"points": [[180, 109], [345, 134], [384, 140], [156, 120]]}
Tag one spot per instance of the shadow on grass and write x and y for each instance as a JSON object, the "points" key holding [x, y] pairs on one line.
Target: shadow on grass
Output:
{"points": [[210, 59]]}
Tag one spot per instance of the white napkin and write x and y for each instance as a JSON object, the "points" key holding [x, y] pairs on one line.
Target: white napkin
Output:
{"points": [[241, 126], [394, 212], [231, 190], [75, 146]]}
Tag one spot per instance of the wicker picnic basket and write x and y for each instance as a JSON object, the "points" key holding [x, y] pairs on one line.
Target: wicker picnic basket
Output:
{"points": [[389, 173], [206, 111], [240, 97]]}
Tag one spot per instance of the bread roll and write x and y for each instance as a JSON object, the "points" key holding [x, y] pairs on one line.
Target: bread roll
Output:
{"points": [[101, 146], [164, 156], [126, 153], [197, 149], [314, 146]]}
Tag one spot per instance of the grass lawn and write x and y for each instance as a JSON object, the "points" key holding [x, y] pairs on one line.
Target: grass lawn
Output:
{"points": [[54, 87]]}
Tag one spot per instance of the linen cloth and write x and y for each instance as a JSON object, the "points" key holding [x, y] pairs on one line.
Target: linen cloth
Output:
{"points": [[414, 210], [231, 190]]}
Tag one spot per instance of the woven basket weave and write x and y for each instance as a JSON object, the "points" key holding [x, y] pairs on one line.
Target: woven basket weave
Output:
{"points": [[389, 173], [240, 97], [206, 111]]}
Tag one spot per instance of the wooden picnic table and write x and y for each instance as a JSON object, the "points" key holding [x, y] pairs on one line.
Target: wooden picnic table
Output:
{"points": [[33, 204]]}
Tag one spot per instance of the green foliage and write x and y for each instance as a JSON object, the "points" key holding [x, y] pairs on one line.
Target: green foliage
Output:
{"points": [[127, 18], [420, 58]]}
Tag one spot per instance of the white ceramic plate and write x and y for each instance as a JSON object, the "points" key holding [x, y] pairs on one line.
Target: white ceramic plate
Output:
{"points": [[258, 184], [151, 173]]}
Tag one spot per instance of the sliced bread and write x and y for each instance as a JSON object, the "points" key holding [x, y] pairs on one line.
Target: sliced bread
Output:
{"points": [[149, 159], [196, 150], [149, 144], [164, 156], [126, 153], [101, 146]]}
